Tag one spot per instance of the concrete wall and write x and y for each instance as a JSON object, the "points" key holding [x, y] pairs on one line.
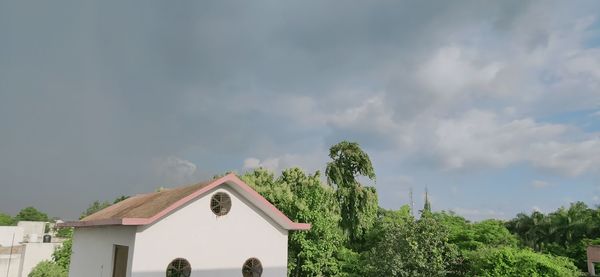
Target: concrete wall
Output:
{"points": [[6, 236], [214, 246], [32, 230], [15, 260], [35, 253], [93, 249]]}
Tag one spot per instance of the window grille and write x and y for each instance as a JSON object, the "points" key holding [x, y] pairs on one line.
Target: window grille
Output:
{"points": [[252, 268], [179, 268], [220, 203]]}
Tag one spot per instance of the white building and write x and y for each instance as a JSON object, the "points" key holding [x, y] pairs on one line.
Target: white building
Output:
{"points": [[218, 228], [22, 248]]}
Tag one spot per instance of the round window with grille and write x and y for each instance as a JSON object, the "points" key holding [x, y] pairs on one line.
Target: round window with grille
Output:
{"points": [[220, 203], [252, 268], [179, 268]]}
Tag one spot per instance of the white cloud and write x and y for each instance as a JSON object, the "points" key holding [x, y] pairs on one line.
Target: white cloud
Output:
{"points": [[451, 71], [539, 184], [269, 163], [310, 162], [174, 170]]}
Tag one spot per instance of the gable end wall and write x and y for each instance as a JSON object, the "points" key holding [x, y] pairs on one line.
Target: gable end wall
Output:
{"points": [[214, 246]]}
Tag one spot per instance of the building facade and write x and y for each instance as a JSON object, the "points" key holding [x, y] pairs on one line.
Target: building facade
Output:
{"points": [[22, 248], [217, 228]]}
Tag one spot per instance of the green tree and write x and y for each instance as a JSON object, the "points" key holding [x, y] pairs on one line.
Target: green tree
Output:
{"points": [[472, 236], [358, 204], [513, 262], [120, 198], [47, 269], [96, 206], [62, 254], [6, 220], [404, 246], [561, 232], [304, 198], [31, 214], [64, 232]]}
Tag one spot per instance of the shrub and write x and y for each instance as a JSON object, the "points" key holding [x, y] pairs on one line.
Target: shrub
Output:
{"points": [[47, 269], [508, 261]]}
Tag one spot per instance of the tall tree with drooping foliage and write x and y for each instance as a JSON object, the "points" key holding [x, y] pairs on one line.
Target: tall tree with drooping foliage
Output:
{"points": [[358, 203]]}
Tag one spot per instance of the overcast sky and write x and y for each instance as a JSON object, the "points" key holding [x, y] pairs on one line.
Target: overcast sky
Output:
{"points": [[494, 106]]}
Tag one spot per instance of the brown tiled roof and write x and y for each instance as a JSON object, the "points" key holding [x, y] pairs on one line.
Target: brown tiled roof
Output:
{"points": [[145, 205], [148, 208]]}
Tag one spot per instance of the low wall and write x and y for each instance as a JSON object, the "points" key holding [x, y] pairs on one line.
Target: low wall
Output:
{"points": [[35, 253], [6, 236], [11, 264]]}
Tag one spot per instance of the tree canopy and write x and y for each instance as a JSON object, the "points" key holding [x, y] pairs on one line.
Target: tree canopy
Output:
{"points": [[31, 214], [351, 236], [6, 220], [358, 204]]}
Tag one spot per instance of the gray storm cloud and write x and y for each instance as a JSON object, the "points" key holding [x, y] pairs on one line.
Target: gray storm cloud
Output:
{"points": [[92, 92]]}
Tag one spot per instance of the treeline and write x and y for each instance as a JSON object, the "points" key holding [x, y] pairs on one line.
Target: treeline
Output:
{"points": [[25, 214], [565, 232], [352, 236]]}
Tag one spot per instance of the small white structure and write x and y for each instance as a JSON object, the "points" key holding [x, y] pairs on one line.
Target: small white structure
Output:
{"points": [[22, 248], [218, 228]]}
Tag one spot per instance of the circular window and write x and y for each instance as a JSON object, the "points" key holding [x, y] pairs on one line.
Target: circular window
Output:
{"points": [[220, 203], [179, 268], [252, 268]]}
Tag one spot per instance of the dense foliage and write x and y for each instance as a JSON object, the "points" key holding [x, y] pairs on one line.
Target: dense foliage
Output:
{"points": [[62, 255], [565, 232], [351, 236], [31, 214], [305, 199], [47, 269], [405, 246], [509, 261], [6, 220]]}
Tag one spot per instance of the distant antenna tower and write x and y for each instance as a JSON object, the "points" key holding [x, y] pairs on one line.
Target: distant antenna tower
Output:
{"points": [[412, 203]]}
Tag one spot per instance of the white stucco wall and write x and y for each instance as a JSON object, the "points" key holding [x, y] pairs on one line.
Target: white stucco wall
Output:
{"points": [[11, 265], [6, 235], [15, 265], [32, 227], [214, 246], [93, 249], [35, 253], [33, 231]]}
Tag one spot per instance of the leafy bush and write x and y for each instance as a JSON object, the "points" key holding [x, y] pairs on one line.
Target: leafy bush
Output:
{"points": [[408, 247], [6, 220], [514, 262], [48, 269], [62, 255]]}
